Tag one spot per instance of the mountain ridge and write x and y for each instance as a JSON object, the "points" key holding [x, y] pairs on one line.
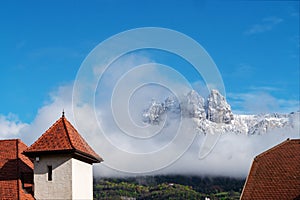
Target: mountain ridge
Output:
{"points": [[215, 114]]}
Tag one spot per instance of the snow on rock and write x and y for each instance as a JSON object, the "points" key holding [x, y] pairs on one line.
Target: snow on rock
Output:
{"points": [[218, 110], [172, 105], [215, 114], [153, 114], [193, 106]]}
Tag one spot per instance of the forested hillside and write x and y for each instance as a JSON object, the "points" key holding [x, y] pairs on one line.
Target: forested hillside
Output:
{"points": [[168, 187]]}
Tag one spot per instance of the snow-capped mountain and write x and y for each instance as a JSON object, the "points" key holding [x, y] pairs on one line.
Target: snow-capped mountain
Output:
{"points": [[214, 114]]}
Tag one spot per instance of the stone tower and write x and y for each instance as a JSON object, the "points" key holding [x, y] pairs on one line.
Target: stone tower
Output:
{"points": [[62, 163]]}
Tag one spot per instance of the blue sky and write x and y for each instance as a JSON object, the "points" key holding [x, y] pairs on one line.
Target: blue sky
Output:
{"points": [[255, 45]]}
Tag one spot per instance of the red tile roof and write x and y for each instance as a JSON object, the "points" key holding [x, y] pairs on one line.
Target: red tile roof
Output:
{"points": [[275, 174], [16, 171], [62, 137]]}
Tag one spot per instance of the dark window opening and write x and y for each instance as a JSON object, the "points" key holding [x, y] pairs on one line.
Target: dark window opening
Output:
{"points": [[22, 180], [49, 172], [27, 182]]}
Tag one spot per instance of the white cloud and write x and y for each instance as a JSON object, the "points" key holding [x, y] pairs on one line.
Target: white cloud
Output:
{"points": [[266, 24], [10, 126], [264, 88], [231, 156], [261, 101], [59, 100]]}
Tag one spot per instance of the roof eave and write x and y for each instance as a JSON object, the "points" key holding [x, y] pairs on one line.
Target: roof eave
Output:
{"points": [[73, 152], [33, 154], [86, 157]]}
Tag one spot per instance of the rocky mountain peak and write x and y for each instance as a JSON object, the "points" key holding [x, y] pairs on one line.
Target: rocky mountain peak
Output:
{"points": [[214, 114], [193, 105], [217, 108]]}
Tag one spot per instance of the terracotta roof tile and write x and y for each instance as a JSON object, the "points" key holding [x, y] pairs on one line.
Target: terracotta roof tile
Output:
{"points": [[16, 171], [275, 174], [63, 137]]}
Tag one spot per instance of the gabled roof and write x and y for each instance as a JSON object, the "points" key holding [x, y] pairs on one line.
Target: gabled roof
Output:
{"points": [[62, 137], [275, 174], [16, 171]]}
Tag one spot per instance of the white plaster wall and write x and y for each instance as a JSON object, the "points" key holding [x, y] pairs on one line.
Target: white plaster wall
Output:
{"points": [[82, 180], [61, 185]]}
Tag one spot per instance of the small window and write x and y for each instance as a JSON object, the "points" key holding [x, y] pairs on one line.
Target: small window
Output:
{"points": [[49, 172]]}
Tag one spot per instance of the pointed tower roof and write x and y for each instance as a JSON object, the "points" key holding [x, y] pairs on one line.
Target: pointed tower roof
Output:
{"points": [[63, 138]]}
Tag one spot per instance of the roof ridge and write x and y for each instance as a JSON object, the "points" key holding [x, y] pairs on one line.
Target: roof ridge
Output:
{"points": [[82, 140], [295, 139], [10, 139], [275, 147], [67, 132]]}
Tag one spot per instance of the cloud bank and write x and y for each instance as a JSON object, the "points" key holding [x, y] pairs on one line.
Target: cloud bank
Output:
{"points": [[10, 126], [232, 155]]}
